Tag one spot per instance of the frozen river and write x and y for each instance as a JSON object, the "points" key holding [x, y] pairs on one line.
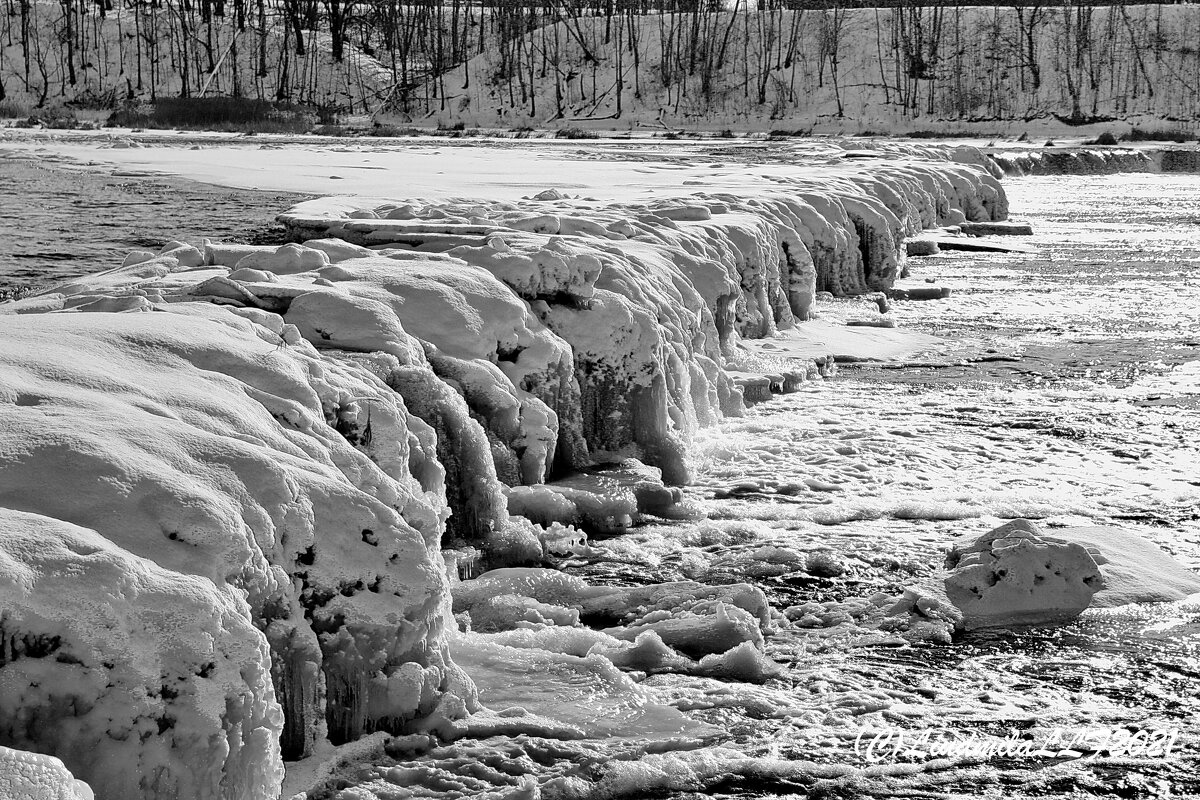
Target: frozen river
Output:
{"points": [[1066, 390]]}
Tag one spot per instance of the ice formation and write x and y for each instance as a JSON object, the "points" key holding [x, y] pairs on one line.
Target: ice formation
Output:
{"points": [[228, 472], [221, 474], [1016, 575], [32, 776]]}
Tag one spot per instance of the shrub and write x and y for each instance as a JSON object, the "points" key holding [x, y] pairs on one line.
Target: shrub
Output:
{"points": [[787, 133], [1177, 135], [1105, 138], [54, 115], [330, 130], [575, 133], [234, 114], [11, 109], [380, 129]]}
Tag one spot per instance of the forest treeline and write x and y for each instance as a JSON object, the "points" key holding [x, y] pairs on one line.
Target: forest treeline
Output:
{"points": [[501, 61]]}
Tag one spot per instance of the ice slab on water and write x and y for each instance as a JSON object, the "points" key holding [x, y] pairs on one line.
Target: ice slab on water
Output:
{"points": [[587, 694]]}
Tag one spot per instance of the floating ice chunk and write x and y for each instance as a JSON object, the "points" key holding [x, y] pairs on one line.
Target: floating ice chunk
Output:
{"points": [[588, 694], [250, 275], [123, 279], [921, 613], [228, 255], [32, 776], [338, 250], [563, 540], [1015, 575], [724, 628], [542, 505], [628, 604], [222, 288], [137, 257], [744, 662], [508, 611], [546, 585], [111, 305]]}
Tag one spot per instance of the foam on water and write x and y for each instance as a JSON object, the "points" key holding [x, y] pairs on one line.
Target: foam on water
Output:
{"points": [[833, 499]]}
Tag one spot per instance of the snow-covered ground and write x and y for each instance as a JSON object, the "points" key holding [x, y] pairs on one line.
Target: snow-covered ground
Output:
{"points": [[288, 466]]}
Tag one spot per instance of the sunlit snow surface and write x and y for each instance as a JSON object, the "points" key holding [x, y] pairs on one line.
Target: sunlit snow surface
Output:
{"points": [[1084, 410]]}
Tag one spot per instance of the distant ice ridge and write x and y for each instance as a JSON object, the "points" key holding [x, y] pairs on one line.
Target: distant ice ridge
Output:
{"points": [[227, 475]]}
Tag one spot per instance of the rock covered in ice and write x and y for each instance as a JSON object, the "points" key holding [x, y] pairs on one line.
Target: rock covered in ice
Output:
{"points": [[248, 462], [148, 682], [1016, 575], [537, 267], [32, 776], [494, 348]]}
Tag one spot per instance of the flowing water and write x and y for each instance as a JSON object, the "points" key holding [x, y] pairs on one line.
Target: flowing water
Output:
{"points": [[64, 221], [1068, 393]]}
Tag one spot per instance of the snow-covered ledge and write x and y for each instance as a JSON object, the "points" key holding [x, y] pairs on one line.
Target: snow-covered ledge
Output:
{"points": [[229, 476]]}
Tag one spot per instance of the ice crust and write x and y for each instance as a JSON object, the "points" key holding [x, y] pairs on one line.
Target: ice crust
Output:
{"points": [[228, 472], [32, 776], [1015, 574], [201, 446]]}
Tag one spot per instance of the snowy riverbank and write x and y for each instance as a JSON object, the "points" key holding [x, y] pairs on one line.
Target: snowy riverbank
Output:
{"points": [[282, 460]]}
